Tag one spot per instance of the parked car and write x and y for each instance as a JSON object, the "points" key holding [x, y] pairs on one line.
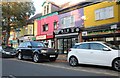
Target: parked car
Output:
{"points": [[35, 50], [7, 51], [94, 53]]}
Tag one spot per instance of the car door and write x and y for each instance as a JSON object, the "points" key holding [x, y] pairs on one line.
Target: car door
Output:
{"points": [[21, 48], [98, 55], [83, 53], [28, 49]]}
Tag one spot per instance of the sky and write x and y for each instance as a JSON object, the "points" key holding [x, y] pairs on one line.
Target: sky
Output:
{"points": [[38, 3]]}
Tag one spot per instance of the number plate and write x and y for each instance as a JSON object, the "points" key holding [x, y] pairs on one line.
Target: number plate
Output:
{"points": [[52, 55], [7, 52]]}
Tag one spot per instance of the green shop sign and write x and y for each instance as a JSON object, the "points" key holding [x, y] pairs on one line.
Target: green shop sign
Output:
{"points": [[34, 38], [13, 41], [100, 32]]}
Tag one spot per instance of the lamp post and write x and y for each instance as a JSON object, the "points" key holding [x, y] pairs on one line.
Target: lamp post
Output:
{"points": [[83, 18], [18, 30], [114, 27]]}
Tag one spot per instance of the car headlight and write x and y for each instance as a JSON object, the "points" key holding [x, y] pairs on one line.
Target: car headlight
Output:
{"points": [[43, 51], [7, 52], [3, 51]]}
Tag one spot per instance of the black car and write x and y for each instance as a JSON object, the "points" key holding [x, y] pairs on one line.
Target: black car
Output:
{"points": [[36, 51], [7, 51]]}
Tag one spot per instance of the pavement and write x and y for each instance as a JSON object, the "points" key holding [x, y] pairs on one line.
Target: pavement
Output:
{"points": [[62, 57]]}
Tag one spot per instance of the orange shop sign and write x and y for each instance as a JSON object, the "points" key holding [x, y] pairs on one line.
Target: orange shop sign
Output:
{"points": [[41, 37]]}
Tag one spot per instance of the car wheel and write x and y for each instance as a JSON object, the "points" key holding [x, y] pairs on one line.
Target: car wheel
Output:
{"points": [[36, 58], [73, 61], [20, 56], [52, 59], [116, 64]]}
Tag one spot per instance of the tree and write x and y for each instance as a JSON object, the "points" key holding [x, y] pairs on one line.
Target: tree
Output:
{"points": [[15, 15]]}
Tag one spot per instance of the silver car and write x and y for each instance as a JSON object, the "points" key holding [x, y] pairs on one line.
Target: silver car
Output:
{"points": [[7, 51]]}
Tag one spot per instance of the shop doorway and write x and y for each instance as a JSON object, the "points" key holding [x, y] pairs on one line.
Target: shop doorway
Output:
{"points": [[65, 44]]}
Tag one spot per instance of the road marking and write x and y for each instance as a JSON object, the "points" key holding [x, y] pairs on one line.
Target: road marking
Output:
{"points": [[71, 68]]}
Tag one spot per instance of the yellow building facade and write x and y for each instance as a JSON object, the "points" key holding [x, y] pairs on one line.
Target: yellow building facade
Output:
{"points": [[89, 13], [35, 27], [102, 22]]}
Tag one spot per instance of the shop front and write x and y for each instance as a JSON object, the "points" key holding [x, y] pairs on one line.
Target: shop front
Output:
{"points": [[66, 38], [48, 39], [108, 33]]}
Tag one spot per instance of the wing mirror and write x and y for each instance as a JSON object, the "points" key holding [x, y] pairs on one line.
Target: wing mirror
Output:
{"points": [[106, 49]]}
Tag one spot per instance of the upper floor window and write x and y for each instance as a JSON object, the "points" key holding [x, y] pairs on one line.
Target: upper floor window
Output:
{"points": [[55, 25], [104, 13], [67, 22], [44, 9], [47, 9], [45, 27]]}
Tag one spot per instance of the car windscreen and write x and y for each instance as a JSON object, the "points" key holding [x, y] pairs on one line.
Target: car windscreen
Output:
{"points": [[37, 44], [112, 46], [8, 48]]}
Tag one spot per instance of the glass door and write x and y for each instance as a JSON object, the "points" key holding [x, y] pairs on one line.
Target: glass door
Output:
{"points": [[67, 44]]}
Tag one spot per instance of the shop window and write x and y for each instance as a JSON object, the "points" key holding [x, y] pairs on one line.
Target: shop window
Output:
{"points": [[60, 45], [45, 27]]}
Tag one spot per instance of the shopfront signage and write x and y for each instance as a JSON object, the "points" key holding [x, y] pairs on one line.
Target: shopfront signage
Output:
{"points": [[114, 26], [68, 30], [100, 32], [72, 30], [109, 39], [41, 37], [84, 33], [77, 29], [62, 31]]}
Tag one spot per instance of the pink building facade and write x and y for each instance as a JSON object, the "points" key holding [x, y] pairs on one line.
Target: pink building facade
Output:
{"points": [[46, 26]]}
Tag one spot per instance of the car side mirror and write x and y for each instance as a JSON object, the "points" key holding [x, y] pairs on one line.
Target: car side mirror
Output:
{"points": [[106, 49], [29, 46]]}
